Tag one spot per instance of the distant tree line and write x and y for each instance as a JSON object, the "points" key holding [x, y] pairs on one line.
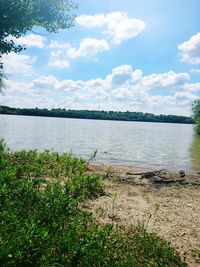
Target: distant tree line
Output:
{"points": [[97, 115]]}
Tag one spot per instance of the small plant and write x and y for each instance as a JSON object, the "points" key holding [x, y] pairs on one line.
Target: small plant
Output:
{"points": [[92, 157], [157, 206], [2, 145], [196, 255], [113, 215], [108, 172]]}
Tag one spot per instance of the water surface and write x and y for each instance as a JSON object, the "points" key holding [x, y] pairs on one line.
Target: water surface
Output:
{"points": [[160, 145]]}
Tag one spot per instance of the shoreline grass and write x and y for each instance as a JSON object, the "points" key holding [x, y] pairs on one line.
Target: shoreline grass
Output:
{"points": [[42, 223]]}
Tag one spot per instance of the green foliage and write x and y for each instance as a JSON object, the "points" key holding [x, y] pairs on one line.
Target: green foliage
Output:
{"points": [[20, 16], [197, 126], [97, 115], [2, 146], [41, 223], [196, 114]]}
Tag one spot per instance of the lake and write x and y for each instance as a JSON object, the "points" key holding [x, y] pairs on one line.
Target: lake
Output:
{"points": [[144, 144]]}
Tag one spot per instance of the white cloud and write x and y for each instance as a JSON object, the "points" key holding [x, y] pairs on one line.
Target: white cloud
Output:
{"points": [[163, 80], [184, 98], [18, 64], [60, 64], [57, 45], [27, 102], [96, 87], [19, 88], [31, 40], [192, 86], [121, 93], [137, 75], [88, 47], [116, 25], [24, 95], [160, 100], [190, 50], [46, 82], [92, 21], [123, 74], [195, 70], [58, 55], [71, 85], [52, 83]]}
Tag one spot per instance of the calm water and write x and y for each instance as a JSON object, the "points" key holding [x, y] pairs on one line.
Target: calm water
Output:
{"points": [[171, 146]]}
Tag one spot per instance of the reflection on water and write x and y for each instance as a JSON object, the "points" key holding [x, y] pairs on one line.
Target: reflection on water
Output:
{"points": [[195, 152]]}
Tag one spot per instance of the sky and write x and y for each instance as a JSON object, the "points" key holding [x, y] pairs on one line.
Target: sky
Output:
{"points": [[120, 55]]}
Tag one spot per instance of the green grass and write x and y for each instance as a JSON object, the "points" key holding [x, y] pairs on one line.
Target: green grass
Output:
{"points": [[41, 223]]}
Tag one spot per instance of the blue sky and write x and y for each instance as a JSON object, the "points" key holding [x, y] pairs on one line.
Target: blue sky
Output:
{"points": [[121, 55]]}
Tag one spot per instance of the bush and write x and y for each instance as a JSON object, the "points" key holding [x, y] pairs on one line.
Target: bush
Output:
{"points": [[197, 126], [196, 114]]}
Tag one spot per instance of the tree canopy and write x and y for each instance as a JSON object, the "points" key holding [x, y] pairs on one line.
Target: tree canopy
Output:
{"points": [[19, 16], [196, 114]]}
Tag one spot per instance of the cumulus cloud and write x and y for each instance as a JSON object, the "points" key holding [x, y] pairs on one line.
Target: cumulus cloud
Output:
{"points": [[121, 93], [24, 95], [122, 74], [45, 82], [52, 83], [58, 55], [27, 102], [18, 64], [192, 87], [184, 98], [88, 47], [160, 100], [163, 80], [19, 88], [31, 40], [57, 63], [57, 45], [190, 50], [116, 25]]}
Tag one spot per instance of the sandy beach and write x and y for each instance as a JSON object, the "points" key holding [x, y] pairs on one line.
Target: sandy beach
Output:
{"points": [[164, 202]]}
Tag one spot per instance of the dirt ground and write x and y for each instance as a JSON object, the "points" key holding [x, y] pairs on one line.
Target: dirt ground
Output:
{"points": [[164, 202]]}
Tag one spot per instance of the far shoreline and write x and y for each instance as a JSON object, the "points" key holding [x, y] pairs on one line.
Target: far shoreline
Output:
{"points": [[72, 118], [97, 115]]}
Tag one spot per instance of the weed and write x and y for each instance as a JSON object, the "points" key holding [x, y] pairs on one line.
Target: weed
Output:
{"points": [[196, 255], [113, 216]]}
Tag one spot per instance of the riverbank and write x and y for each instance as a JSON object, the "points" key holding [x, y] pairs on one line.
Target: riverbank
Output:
{"points": [[163, 201], [44, 221]]}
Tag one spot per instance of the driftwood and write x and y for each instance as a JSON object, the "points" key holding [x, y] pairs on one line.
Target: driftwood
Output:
{"points": [[170, 181], [146, 174]]}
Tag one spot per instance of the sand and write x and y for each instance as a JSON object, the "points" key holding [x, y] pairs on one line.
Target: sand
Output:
{"points": [[165, 203]]}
